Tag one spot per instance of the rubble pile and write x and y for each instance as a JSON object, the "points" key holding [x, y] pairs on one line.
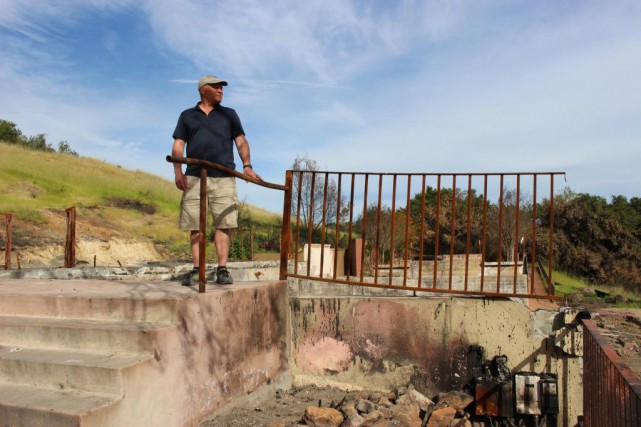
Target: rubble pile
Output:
{"points": [[402, 407]]}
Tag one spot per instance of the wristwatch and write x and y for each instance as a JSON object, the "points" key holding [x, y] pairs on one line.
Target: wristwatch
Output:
{"points": [[248, 166]]}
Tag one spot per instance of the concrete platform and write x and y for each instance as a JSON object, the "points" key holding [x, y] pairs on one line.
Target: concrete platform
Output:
{"points": [[125, 353]]}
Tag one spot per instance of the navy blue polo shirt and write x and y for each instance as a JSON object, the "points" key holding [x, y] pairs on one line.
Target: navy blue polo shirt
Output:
{"points": [[209, 137]]}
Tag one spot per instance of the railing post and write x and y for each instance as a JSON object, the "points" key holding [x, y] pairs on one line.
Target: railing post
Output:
{"points": [[202, 281], [70, 242], [7, 242], [285, 234]]}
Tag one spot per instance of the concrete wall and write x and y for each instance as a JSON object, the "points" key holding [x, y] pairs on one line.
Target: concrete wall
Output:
{"points": [[374, 342]]}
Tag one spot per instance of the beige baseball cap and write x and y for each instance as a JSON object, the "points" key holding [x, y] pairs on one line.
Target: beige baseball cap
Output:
{"points": [[207, 80]]}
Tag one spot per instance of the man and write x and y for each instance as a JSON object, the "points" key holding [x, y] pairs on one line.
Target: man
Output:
{"points": [[209, 130]]}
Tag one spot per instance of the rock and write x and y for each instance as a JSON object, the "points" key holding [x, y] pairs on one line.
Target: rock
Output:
{"points": [[441, 417], [352, 418], [372, 418], [460, 422], [364, 406], [407, 415], [323, 417], [413, 397], [454, 399]]}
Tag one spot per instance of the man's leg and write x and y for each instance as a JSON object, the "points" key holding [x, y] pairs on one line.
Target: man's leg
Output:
{"points": [[195, 247], [222, 241], [191, 278]]}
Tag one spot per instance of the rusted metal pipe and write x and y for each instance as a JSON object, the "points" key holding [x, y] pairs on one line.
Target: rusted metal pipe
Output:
{"points": [[7, 242], [202, 279], [70, 241], [285, 235]]}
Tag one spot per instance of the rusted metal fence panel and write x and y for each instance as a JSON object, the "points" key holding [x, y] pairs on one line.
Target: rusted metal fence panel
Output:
{"points": [[447, 233], [611, 391]]}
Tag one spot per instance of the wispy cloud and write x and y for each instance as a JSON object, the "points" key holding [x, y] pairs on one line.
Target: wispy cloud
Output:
{"points": [[377, 85]]}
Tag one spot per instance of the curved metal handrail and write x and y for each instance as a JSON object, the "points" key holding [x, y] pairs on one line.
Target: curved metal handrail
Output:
{"points": [[212, 165]]}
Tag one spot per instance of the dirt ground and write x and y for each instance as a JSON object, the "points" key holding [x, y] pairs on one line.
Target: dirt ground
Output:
{"points": [[622, 330], [286, 407]]}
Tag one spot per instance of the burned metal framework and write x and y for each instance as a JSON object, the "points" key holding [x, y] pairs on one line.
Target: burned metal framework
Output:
{"points": [[313, 222], [611, 391]]}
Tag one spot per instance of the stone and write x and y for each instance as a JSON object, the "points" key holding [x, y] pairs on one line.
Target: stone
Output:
{"points": [[364, 406], [454, 399], [385, 402], [372, 418], [441, 417], [407, 415], [352, 418], [460, 422], [323, 417], [413, 397]]}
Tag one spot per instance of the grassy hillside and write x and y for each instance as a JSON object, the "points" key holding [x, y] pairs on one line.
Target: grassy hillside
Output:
{"points": [[134, 204]]}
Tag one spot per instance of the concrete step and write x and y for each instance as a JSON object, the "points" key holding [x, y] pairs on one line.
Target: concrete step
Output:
{"points": [[80, 334], [67, 370], [98, 307], [27, 406]]}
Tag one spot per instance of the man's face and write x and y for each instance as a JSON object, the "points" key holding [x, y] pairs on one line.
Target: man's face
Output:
{"points": [[213, 93]]}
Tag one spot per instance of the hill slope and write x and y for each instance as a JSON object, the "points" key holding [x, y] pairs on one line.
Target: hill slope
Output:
{"points": [[122, 215]]}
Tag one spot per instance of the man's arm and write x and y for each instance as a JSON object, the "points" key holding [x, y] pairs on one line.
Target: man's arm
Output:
{"points": [[177, 151], [243, 151]]}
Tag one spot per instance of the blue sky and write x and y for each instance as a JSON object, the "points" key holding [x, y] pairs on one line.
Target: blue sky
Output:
{"points": [[376, 86]]}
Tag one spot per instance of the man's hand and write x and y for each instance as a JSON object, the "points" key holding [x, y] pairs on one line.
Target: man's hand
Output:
{"points": [[181, 181], [250, 172]]}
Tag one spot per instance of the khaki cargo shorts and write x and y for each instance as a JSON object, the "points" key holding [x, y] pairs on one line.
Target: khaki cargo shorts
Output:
{"points": [[222, 198]]}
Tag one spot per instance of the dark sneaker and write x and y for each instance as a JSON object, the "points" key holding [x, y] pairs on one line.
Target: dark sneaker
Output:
{"points": [[190, 279], [223, 277]]}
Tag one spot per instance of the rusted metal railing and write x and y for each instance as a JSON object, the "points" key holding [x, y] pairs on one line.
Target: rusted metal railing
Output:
{"points": [[611, 391], [7, 240], [204, 165], [422, 232]]}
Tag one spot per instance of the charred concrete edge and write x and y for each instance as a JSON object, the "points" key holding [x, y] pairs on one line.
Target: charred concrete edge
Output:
{"points": [[247, 271]]}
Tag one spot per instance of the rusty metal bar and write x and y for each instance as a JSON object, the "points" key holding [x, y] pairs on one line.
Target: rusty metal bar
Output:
{"points": [[452, 231], [375, 252], [338, 223], [310, 222], [364, 227], [468, 229], [7, 241], [300, 193], [484, 233], [202, 279], [285, 234], [533, 233], [515, 257], [323, 221], [611, 390], [438, 226], [550, 251], [421, 241], [391, 244], [351, 221], [70, 241], [500, 234], [407, 229]]}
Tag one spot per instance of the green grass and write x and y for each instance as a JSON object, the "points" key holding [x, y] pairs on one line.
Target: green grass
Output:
{"points": [[34, 181], [565, 283]]}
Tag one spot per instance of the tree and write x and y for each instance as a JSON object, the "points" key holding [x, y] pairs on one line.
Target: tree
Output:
{"points": [[9, 132], [65, 148], [38, 142], [316, 190], [590, 241]]}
